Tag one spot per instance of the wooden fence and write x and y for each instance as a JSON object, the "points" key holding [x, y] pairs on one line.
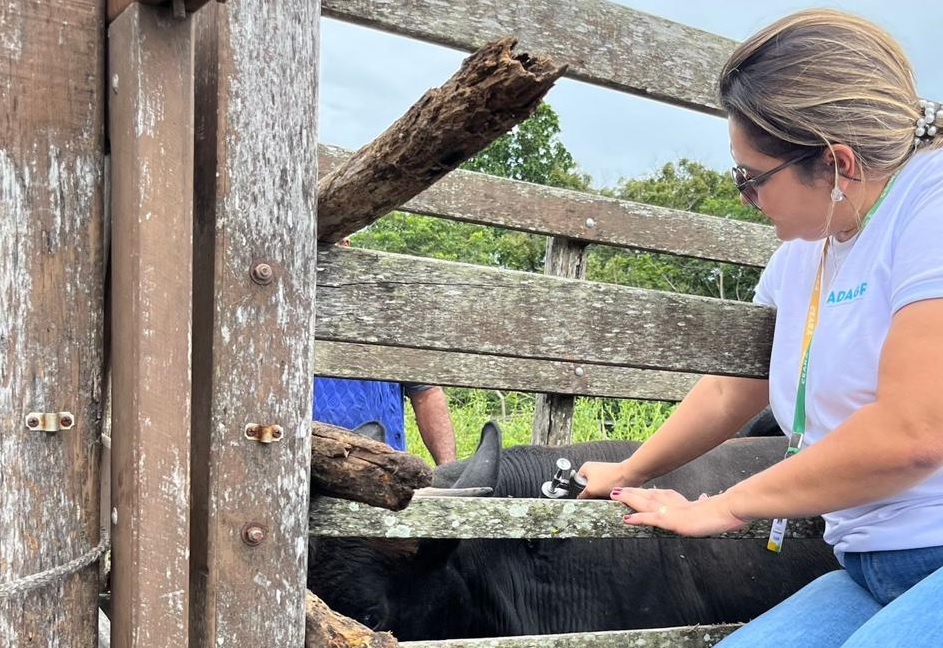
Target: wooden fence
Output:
{"points": [[208, 322], [400, 318], [212, 122]]}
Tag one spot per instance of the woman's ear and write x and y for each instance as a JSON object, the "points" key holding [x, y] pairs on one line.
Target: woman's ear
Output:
{"points": [[842, 158]]}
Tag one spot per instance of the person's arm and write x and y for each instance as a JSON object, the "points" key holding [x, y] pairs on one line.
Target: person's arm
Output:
{"points": [[712, 412], [881, 449], [435, 425]]}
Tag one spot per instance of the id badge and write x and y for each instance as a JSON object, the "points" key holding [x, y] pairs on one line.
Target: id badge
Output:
{"points": [[777, 532]]}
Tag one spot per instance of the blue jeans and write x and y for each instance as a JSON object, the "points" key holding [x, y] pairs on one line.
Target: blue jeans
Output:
{"points": [[881, 599]]}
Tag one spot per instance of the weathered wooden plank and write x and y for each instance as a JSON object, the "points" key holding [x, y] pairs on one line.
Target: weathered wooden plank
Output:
{"points": [[51, 296], [50, 313], [350, 360], [506, 517], [256, 94], [115, 7], [603, 43], [151, 133], [390, 299], [494, 90], [553, 413], [488, 200], [686, 637]]}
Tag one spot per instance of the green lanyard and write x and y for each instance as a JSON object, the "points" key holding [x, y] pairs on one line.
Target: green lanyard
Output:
{"points": [[778, 530]]}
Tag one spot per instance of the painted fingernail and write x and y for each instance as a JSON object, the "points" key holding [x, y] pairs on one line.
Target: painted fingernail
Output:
{"points": [[614, 492], [627, 519]]}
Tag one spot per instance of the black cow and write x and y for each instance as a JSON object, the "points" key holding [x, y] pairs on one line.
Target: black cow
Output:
{"points": [[763, 424], [440, 589]]}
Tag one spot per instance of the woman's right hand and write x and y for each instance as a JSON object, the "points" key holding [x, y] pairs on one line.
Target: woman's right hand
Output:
{"points": [[601, 478]]}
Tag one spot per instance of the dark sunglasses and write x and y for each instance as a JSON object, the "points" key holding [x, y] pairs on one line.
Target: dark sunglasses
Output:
{"points": [[747, 185]]}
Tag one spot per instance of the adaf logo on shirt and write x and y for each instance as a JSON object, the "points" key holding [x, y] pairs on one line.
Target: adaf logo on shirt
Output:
{"points": [[836, 297]]}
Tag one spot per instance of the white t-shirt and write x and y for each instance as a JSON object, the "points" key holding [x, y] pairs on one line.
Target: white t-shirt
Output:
{"points": [[896, 259]]}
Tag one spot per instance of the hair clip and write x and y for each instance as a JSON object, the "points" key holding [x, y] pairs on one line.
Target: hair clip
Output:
{"points": [[929, 123]]}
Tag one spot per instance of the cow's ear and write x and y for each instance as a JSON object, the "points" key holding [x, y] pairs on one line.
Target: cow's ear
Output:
{"points": [[372, 430], [434, 553], [483, 468]]}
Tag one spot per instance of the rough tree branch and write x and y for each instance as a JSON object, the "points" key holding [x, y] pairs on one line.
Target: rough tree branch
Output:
{"points": [[491, 93]]}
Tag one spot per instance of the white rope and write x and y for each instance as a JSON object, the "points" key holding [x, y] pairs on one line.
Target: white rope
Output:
{"points": [[54, 575]]}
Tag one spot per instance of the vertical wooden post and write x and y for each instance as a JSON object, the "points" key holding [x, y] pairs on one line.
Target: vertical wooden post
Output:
{"points": [[553, 413], [256, 184], [150, 89], [51, 296]]}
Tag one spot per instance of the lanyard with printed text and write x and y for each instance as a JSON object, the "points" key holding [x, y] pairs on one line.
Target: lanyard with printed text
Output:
{"points": [[778, 528]]}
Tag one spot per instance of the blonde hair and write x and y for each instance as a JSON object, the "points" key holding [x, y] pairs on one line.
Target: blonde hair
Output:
{"points": [[820, 77]]}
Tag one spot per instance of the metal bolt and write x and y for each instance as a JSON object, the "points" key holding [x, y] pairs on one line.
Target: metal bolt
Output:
{"points": [[262, 274], [65, 421], [32, 421], [579, 372], [590, 223], [253, 534]]}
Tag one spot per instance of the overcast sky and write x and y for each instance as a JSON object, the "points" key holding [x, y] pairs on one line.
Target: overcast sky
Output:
{"points": [[370, 78]]}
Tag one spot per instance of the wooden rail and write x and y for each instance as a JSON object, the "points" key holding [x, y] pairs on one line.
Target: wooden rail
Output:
{"points": [[489, 200], [395, 363], [687, 637], [603, 43], [504, 517], [499, 326]]}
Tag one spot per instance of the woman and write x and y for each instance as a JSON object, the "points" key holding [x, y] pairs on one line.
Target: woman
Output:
{"points": [[832, 143]]}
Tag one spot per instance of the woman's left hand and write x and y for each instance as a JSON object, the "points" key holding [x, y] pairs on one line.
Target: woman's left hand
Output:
{"points": [[670, 510]]}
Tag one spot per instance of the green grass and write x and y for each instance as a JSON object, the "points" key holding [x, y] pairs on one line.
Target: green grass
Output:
{"points": [[593, 419]]}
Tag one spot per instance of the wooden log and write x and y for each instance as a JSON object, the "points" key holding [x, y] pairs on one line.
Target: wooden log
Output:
{"points": [[492, 92], [353, 467], [325, 628]]}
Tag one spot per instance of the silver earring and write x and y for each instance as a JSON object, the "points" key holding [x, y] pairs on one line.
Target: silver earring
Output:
{"points": [[837, 194]]}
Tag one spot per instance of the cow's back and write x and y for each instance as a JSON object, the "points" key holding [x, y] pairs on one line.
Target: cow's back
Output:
{"points": [[525, 468], [572, 585], [463, 588]]}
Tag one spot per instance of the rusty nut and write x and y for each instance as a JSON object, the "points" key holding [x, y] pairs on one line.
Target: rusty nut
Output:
{"points": [[262, 273], [253, 534]]}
